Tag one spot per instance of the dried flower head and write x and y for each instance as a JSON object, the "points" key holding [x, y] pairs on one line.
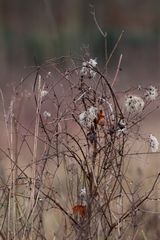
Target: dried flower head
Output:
{"points": [[92, 73], [83, 120], [134, 104], [151, 93], [83, 193], [93, 62], [92, 113], [49, 74], [44, 93], [153, 143], [84, 69], [121, 127], [46, 114], [86, 118], [87, 68]]}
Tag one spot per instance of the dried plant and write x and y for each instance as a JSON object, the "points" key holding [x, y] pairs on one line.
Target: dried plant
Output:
{"points": [[72, 155]]}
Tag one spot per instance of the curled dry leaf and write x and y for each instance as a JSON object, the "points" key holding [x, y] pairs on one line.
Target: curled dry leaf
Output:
{"points": [[101, 120], [79, 210]]}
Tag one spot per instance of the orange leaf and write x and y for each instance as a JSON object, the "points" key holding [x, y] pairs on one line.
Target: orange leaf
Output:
{"points": [[101, 118], [79, 210]]}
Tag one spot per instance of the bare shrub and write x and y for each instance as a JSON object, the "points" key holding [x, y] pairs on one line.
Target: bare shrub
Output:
{"points": [[71, 157]]}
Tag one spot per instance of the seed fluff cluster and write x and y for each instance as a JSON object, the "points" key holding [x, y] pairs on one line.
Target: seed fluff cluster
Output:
{"points": [[151, 93], [46, 114], [86, 118], [134, 104], [44, 93], [83, 193], [88, 68], [122, 127], [153, 143]]}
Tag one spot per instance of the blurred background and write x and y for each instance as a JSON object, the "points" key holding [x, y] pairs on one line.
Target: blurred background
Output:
{"points": [[50, 28]]}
